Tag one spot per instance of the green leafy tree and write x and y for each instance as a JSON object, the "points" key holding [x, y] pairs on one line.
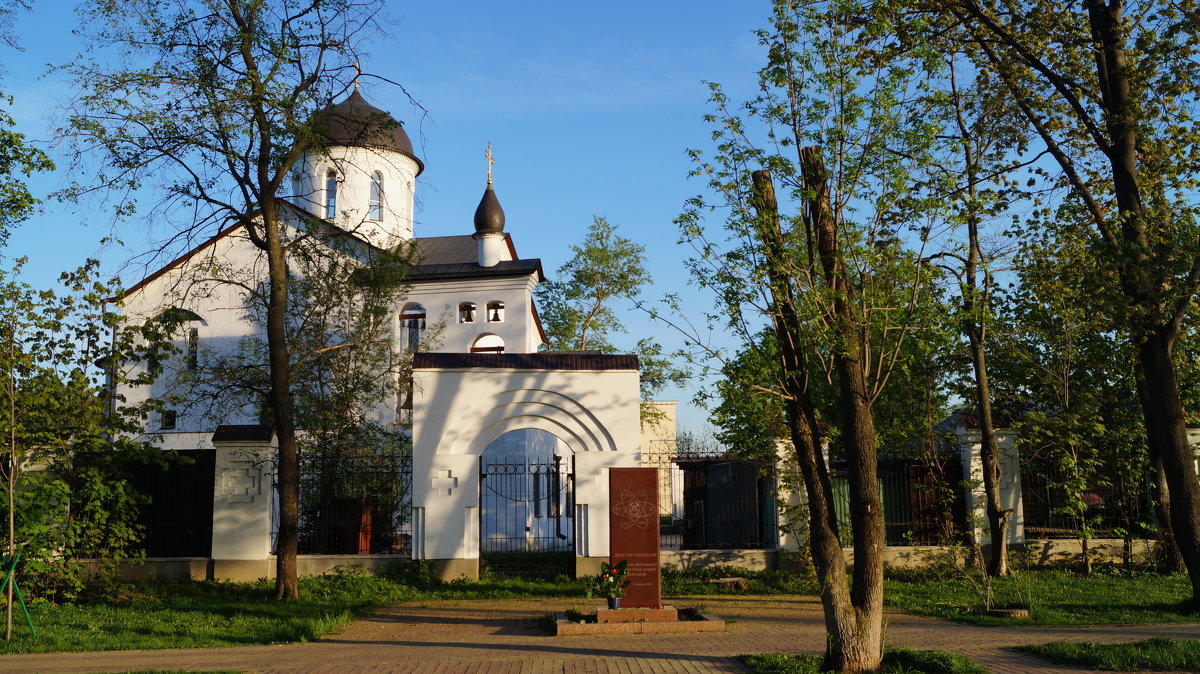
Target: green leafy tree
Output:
{"points": [[1187, 359], [71, 514], [212, 103], [1070, 375], [579, 310], [1111, 96], [979, 152], [746, 411], [18, 161], [349, 377], [840, 127], [351, 380]]}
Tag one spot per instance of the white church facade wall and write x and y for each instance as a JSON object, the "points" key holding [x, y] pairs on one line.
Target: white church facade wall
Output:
{"points": [[474, 300], [192, 284], [512, 322]]}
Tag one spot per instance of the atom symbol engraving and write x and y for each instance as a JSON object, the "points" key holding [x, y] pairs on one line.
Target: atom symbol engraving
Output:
{"points": [[634, 509]]}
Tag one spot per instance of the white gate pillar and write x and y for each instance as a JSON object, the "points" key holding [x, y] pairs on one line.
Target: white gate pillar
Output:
{"points": [[243, 502]]}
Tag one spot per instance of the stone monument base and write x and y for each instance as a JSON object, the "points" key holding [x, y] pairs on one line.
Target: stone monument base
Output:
{"points": [[638, 623], [666, 614]]}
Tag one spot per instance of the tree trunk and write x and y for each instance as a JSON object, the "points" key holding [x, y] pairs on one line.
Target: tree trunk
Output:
{"points": [[989, 456], [852, 646], [974, 309], [1154, 328], [853, 618], [862, 642], [1167, 434], [288, 475], [11, 546], [1168, 555], [862, 622], [1170, 558], [1154, 296]]}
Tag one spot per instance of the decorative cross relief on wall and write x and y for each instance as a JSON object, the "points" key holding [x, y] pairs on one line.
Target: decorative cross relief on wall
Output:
{"points": [[241, 481], [444, 483]]}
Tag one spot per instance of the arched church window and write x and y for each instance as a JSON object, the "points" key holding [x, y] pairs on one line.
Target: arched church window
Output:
{"points": [[375, 205], [193, 349], [331, 185], [495, 312], [174, 319], [177, 316], [412, 322], [488, 344], [466, 312]]}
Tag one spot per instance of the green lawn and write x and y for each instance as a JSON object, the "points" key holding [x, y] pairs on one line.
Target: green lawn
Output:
{"points": [[1161, 654], [188, 614], [897, 660], [192, 614], [1054, 597], [677, 583]]}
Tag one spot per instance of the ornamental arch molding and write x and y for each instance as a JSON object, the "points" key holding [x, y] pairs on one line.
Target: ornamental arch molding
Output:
{"points": [[513, 410]]}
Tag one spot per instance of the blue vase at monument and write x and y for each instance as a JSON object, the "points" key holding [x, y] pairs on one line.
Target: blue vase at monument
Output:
{"points": [[614, 603]]}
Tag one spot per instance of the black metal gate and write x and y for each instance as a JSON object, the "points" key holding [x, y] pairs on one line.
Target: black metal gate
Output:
{"points": [[527, 513]]}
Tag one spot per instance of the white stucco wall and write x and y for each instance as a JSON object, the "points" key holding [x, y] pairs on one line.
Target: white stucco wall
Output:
{"points": [[457, 413], [595, 413], [659, 444], [1193, 435], [790, 496], [243, 501], [224, 322], [354, 166], [448, 335]]}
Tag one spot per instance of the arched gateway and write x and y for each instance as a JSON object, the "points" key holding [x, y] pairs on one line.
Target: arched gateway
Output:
{"points": [[526, 502], [495, 439]]}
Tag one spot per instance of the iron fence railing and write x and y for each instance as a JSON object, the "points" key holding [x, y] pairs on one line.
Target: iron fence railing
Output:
{"points": [[1116, 506], [356, 503], [923, 502]]}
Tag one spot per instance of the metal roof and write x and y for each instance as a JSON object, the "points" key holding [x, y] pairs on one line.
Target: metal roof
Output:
{"points": [[443, 257], [355, 122], [434, 272], [547, 360], [244, 433]]}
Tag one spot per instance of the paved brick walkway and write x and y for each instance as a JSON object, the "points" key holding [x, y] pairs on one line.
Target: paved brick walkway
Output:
{"points": [[501, 637]]}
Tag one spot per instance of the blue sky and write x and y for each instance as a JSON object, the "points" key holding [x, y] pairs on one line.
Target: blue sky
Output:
{"points": [[589, 106]]}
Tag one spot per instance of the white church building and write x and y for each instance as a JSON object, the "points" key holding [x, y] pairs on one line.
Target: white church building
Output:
{"points": [[509, 444]]}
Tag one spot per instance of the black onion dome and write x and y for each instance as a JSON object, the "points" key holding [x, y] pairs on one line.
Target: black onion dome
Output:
{"points": [[489, 217], [356, 123]]}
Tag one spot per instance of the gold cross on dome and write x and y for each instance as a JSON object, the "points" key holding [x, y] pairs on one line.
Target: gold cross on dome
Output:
{"points": [[491, 161]]}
